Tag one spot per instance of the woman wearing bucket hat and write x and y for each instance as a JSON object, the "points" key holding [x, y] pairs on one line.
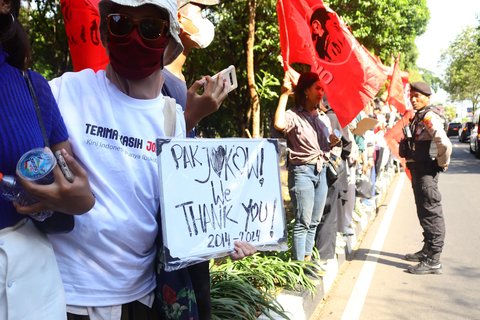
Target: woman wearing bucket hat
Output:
{"points": [[114, 117]]}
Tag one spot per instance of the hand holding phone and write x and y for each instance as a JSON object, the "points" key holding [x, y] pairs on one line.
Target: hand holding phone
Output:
{"points": [[63, 166], [230, 76]]}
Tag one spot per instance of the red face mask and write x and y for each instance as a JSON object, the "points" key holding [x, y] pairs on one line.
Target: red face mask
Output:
{"points": [[134, 58]]}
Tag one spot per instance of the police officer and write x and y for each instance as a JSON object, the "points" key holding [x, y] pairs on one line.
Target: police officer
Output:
{"points": [[429, 151]]}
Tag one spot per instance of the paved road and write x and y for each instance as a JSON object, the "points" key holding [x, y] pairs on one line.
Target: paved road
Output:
{"points": [[374, 284]]}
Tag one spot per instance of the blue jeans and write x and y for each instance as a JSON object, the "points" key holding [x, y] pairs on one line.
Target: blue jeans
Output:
{"points": [[308, 190]]}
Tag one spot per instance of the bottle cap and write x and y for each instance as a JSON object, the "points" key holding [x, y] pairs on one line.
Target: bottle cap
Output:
{"points": [[37, 165]]}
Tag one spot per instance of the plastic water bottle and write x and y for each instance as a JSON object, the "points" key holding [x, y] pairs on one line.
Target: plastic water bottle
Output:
{"points": [[8, 188], [11, 190]]}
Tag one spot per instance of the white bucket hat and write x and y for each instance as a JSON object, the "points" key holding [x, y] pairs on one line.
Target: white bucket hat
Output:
{"points": [[202, 2], [175, 47]]}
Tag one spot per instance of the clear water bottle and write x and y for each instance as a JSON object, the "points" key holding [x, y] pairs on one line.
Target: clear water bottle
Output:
{"points": [[8, 188], [11, 190]]}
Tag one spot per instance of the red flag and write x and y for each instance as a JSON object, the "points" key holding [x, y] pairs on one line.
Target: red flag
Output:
{"points": [[396, 93], [311, 33], [395, 134], [82, 20]]}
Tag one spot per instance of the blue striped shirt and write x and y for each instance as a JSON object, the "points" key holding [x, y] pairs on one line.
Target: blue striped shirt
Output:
{"points": [[19, 128]]}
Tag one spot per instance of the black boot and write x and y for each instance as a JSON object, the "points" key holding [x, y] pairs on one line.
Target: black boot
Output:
{"points": [[427, 266], [418, 256]]}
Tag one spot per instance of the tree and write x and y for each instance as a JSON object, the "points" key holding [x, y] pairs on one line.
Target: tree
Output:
{"points": [[43, 21], [462, 75], [242, 25], [430, 78], [450, 112], [255, 102]]}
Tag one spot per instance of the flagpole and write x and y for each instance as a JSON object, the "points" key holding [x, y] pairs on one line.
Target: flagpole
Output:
{"points": [[287, 51]]}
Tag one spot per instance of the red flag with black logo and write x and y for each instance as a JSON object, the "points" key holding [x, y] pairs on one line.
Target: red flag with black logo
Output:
{"points": [[82, 20], [396, 93], [313, 34]]}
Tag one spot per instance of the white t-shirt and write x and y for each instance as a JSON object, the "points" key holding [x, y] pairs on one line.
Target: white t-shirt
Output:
{"points": [[108, 258]]}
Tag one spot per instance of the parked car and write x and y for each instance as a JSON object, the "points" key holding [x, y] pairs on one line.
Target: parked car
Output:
{"points": [[453, 128], [464, 132], [475, 135]]}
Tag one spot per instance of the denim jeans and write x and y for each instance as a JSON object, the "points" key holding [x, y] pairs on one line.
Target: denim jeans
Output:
{"points": [[308, 191]]}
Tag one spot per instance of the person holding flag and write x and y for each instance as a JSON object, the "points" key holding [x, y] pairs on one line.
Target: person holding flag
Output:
{"points": [[308, 144]]}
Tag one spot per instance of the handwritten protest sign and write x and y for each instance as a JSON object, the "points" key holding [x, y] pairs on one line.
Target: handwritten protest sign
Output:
{"points": [[216, 191], [364, 125]]}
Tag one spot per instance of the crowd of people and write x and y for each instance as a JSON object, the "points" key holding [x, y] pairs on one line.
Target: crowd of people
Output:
{"points": [[328, 208]]}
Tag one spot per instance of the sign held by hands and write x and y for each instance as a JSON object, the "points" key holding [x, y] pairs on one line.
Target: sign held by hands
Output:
{"points": [[214, 192]]}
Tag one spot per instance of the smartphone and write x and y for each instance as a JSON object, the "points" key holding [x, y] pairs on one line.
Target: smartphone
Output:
{"points": [[231, 77], [63, 166]]}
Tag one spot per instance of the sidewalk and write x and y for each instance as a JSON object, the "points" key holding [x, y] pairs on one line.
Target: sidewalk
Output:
{"points": [[302, 305]]}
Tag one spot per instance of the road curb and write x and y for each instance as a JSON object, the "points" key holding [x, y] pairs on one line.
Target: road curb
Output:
{"points": [[303, 305]]}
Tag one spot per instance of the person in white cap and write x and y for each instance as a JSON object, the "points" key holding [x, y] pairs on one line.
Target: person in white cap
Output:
{"points": [[113, 117], [196, 32]]}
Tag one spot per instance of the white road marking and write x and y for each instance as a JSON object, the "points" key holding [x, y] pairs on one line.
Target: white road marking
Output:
{"points": [[357, 297]]}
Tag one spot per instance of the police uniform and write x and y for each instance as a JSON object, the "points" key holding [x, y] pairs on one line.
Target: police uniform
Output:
{"points": [[429, 154]]}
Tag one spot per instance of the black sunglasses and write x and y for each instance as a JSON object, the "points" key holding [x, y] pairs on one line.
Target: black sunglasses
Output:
{"points": [[120, 25]]}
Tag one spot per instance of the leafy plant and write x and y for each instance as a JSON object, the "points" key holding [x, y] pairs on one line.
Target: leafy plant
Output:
{"points": [[235, 298], [264, 84], [270, 272]]}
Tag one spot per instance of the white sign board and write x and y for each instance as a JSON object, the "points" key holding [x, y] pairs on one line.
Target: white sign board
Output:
{"points": [[216, 191]]}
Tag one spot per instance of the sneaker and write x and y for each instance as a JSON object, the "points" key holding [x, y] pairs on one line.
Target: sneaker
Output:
{"points": [[427, 266], [416, 257]]}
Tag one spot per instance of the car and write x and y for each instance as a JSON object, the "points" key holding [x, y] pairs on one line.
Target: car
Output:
{"points": [[475, 135], [453, 128], [464, 132]]}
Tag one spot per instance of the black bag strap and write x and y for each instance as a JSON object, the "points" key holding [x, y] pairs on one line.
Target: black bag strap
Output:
{"points": [[37, 107], [416, 120], [59, 222]]}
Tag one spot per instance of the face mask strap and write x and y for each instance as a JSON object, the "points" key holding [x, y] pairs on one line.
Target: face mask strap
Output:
{"points": [[183, 5]]}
